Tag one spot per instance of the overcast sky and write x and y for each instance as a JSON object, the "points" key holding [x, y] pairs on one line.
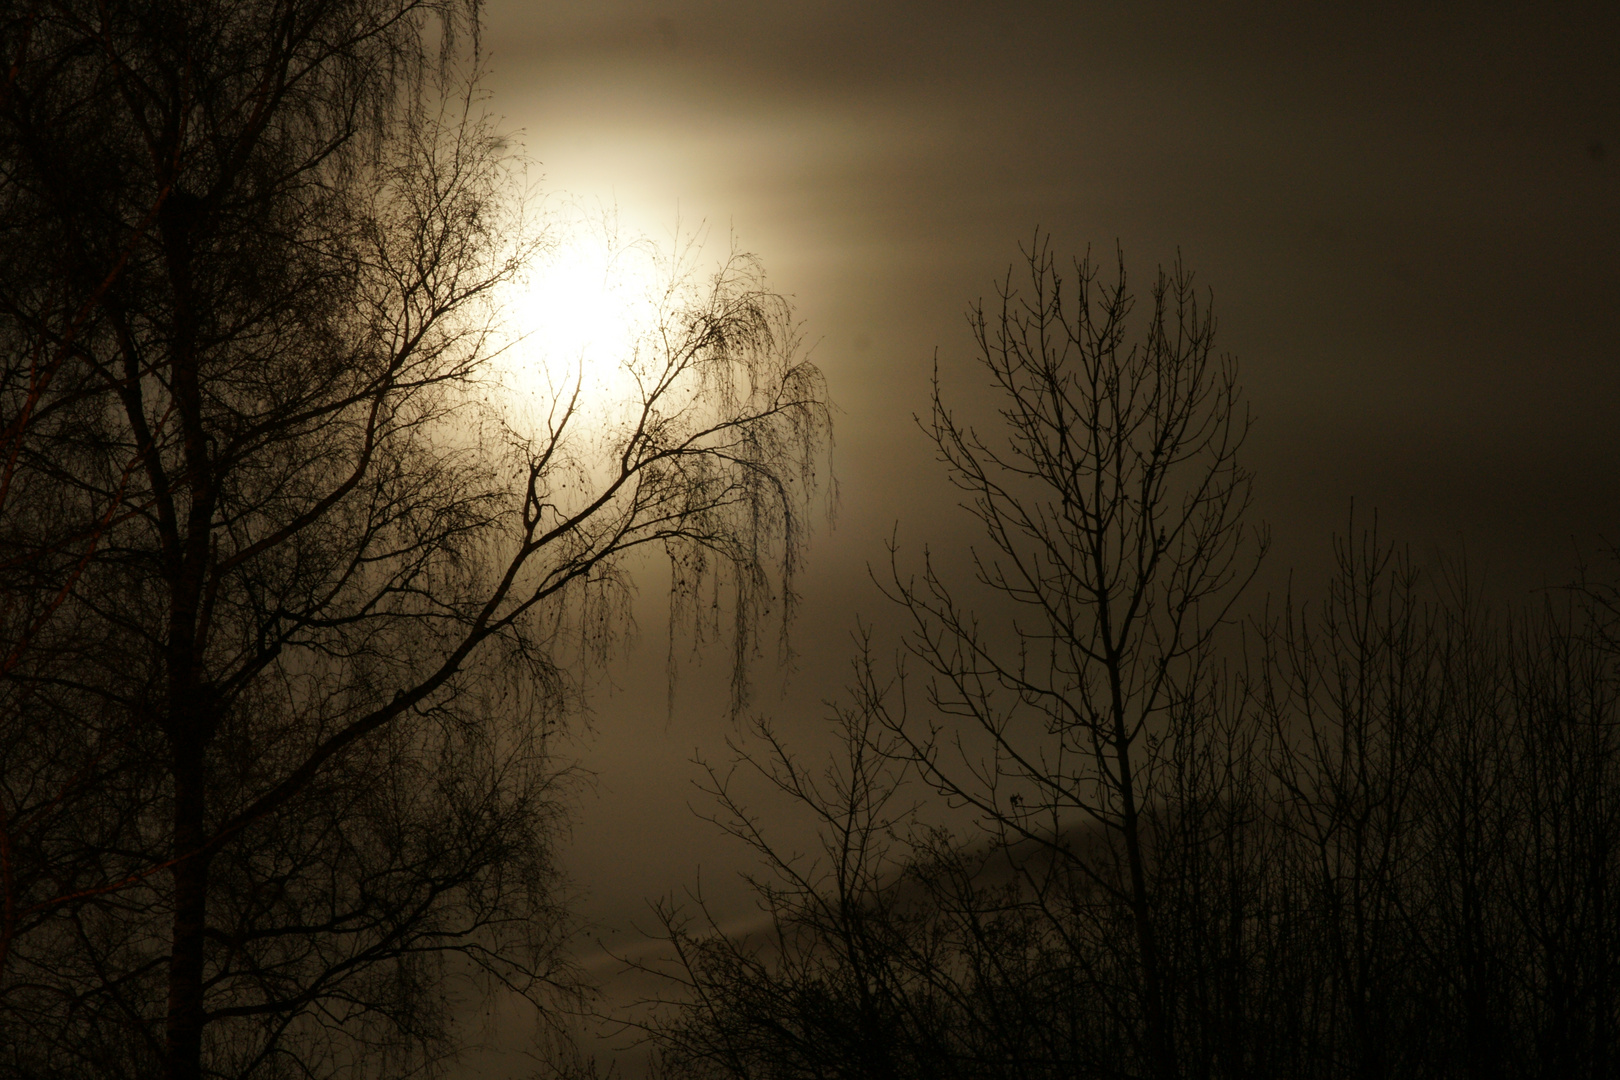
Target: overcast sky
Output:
{"points": [[1409, 219]]}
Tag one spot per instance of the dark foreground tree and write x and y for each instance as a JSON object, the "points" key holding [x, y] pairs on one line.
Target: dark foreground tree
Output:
{"points": [[275, 768]]}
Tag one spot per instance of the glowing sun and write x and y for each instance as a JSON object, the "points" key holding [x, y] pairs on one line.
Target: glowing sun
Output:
{"points": [[582, 309]]}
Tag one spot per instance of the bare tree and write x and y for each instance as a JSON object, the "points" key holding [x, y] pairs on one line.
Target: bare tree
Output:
{"points": [[42, 564], [333, 603], [825, 984], [1351, 690], [1560, 882], [1444, 777], [1375, 835], [1112, 504], [892, 949], [1074, 707]]}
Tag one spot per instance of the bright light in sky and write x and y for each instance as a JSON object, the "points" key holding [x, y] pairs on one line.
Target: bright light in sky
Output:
{"points": [[580, 313]]}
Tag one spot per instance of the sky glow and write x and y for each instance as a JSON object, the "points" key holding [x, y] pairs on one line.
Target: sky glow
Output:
{"points": [[581, 315]]}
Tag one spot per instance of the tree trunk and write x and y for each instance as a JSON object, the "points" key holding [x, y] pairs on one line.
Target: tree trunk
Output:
{"points": [[183, 1037], [1161, 1045]]}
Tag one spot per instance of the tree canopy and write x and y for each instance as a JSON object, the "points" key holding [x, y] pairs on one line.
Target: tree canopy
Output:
{"points": [[291, 607]]}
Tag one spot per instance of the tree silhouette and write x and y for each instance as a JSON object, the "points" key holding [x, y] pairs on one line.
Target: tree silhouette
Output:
{"points": [[280, 748], [1372, 835], [1112, 503]]}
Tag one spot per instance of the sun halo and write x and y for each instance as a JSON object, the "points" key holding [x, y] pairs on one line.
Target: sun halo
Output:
{"points": [[579, 316]]}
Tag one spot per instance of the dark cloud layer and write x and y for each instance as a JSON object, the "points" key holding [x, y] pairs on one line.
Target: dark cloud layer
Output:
{"points": [[1409, 216]]}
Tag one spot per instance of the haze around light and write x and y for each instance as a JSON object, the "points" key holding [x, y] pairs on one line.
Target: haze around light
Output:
{"points": [[580, 316]]}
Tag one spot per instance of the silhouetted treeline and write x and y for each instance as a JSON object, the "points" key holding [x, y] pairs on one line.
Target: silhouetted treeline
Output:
{"points": [[1386, 848], [1372, 833]]}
